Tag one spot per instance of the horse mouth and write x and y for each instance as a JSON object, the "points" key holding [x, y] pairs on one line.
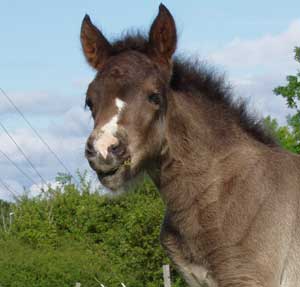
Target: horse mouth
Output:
{"points": [[102, 175], [114, 172]]}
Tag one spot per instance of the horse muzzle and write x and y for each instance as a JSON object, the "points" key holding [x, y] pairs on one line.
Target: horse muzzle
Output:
{"points": [[113, 169]]}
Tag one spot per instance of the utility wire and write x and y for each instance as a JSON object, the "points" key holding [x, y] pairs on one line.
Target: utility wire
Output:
{"points": [[37, 133], [9, 189], [17, 167], [23, 153]]}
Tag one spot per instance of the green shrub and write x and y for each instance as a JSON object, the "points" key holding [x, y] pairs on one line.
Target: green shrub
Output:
{"points": [[71, 234]]}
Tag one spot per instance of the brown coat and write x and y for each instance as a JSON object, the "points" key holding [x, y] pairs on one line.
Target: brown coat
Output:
{"points": [[231, 193]]}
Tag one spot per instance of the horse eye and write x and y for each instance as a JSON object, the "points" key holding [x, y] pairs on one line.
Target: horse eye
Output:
{"points": [[154, 98]]}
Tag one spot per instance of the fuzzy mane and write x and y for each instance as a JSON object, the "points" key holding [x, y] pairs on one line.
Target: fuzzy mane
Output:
{"points": [[192, 75]]}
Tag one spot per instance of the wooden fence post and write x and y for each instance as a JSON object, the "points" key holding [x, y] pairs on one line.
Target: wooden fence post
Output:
{"points": [[167, 279]]}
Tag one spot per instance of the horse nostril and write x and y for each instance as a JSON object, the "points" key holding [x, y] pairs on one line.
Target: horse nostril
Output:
{"points": [[89, 149], [90, 145], [116, 149]]}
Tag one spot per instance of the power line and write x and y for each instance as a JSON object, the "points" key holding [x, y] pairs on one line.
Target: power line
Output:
{"points": [[23, 153], [37, 133], [9, 189], [17, 167]]}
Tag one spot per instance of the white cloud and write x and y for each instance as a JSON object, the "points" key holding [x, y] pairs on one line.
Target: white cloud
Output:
{"points": [[258, 90], [16, 190], [76, 122], [66, 137], [270, 51], [37, 189], [37, 102], [257, 66]]}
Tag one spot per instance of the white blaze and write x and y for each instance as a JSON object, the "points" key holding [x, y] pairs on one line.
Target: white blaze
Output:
{"points": [[106, 136], [120, 104]]}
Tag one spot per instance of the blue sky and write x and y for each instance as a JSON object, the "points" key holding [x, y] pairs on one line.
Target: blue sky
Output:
{"points": [[40, 47], [43, 70]]}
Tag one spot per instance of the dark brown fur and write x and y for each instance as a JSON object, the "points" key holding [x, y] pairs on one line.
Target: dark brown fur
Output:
{"points": [[190, 75], [231, 193]]}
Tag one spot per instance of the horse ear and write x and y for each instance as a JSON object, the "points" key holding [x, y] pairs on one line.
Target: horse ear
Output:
{"points": [[162, 36], [96, 47]]}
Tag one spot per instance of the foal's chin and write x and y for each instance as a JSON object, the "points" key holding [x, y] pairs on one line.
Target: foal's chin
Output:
{"points": [[112, 174], [116, 176], [123, 180], [114, 181]]}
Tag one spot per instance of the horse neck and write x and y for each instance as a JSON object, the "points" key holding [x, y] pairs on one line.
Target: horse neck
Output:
{"points": [[196, 141]]}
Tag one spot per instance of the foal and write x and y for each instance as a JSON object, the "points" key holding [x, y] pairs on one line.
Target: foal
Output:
{"points": [[231, 194]]}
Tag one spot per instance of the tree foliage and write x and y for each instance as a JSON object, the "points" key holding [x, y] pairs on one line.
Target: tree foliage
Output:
{"points": [[289, 136], [291, 91]]}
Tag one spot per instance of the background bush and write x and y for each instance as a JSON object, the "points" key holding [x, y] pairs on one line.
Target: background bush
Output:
{"points": [[70, 234]]}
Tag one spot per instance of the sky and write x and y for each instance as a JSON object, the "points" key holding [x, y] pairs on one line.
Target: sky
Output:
{"points": [[43, 71]]}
